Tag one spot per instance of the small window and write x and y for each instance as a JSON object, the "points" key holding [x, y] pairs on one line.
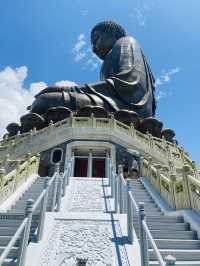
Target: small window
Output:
{"points": [[57, 156]]}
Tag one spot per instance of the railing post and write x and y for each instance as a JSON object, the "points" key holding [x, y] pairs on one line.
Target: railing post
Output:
{"points": [[112, 121], [7, 162], [43, 210], [170, 260], [150, 162], [124, 198], [108, 167], [112, 181], [68, 172], [120, 189], [89, 170], [116, 192], [25, 239], [55, 188], [172, 190], [72, 164], [2, 174], [132, 130], [140, 165], [129, 213], [65, 182], [60, 182], [93, 124], [185, 172], [143, 237]]}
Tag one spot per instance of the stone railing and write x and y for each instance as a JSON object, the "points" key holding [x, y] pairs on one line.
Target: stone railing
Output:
{"points": [[180, 187], [146, 143], [11, 181]]}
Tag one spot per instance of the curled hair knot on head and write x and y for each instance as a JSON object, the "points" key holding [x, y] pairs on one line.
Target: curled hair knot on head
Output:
{"points": [[110, 27]]}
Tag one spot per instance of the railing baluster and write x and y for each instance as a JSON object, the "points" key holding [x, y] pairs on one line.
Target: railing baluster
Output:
{"points": [[143, 237], [124, 196], [55, 188], [43, 210], [65, 182], [59, 192], [111, 183], [120, 189], [129, 213], [116, 192], [25, 239]]}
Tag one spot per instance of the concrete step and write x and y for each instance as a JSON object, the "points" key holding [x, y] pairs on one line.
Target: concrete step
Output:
{"points": [[146, 201], [13, 252], [139, 191], [166, 234], [35, 190], [152, 211], [141, 197], [162, 219], [7, 231], [149, 206], [177, 244], [179, 254], [181, 263], [4, 240], [10, 223], [137, 186], [167, 226], [9, 262]]}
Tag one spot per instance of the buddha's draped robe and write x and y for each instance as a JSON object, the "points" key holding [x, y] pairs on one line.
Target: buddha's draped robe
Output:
{"points": [[126, 83]]}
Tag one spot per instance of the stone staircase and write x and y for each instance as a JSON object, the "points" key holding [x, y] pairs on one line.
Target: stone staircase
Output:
{"points": [[171, 234], [10, 221]]}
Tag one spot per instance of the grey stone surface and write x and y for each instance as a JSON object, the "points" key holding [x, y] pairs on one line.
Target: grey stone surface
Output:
{"points": [[93, 240], [87, 196]]}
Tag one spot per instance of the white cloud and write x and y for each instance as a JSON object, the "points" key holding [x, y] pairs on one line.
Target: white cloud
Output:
{"points": [[79, 56], [141, 11], [83, 54], [80, 43], [15, 97], [164, 78], [140, 17], [65, 83], [84, 13]]}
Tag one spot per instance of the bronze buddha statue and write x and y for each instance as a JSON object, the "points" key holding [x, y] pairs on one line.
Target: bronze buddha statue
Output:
{"points": [[126, 87]]}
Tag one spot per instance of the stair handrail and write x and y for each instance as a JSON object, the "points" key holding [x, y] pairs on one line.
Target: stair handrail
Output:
{"points": [[9, 182], [13, 241], [144, 231], [26, 222], [24, 227], [153, 244]]}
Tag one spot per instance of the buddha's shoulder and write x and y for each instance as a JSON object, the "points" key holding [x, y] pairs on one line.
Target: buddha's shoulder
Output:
{"points": [[126, 41]]}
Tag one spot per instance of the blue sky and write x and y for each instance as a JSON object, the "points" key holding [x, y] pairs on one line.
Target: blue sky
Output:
{"points": [[44, 42]]}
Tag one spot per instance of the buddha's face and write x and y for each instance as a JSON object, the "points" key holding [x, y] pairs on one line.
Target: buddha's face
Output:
{"points": [[102, 43]]}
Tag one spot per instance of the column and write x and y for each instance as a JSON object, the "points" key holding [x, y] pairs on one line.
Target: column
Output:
{"points": [[89, 169], [107, 166]]}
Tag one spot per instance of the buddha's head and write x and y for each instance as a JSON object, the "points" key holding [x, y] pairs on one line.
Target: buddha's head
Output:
{"points": [[104, 35]]}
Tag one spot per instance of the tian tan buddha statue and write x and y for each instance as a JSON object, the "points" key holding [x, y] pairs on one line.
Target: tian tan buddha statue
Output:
{"points": [[126, 88]]}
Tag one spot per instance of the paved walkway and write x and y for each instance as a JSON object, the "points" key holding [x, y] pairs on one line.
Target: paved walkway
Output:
{"points": [[86, 228]]}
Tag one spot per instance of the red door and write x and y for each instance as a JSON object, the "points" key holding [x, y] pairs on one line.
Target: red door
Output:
{"points": [[98, 167], [80, 167]]}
